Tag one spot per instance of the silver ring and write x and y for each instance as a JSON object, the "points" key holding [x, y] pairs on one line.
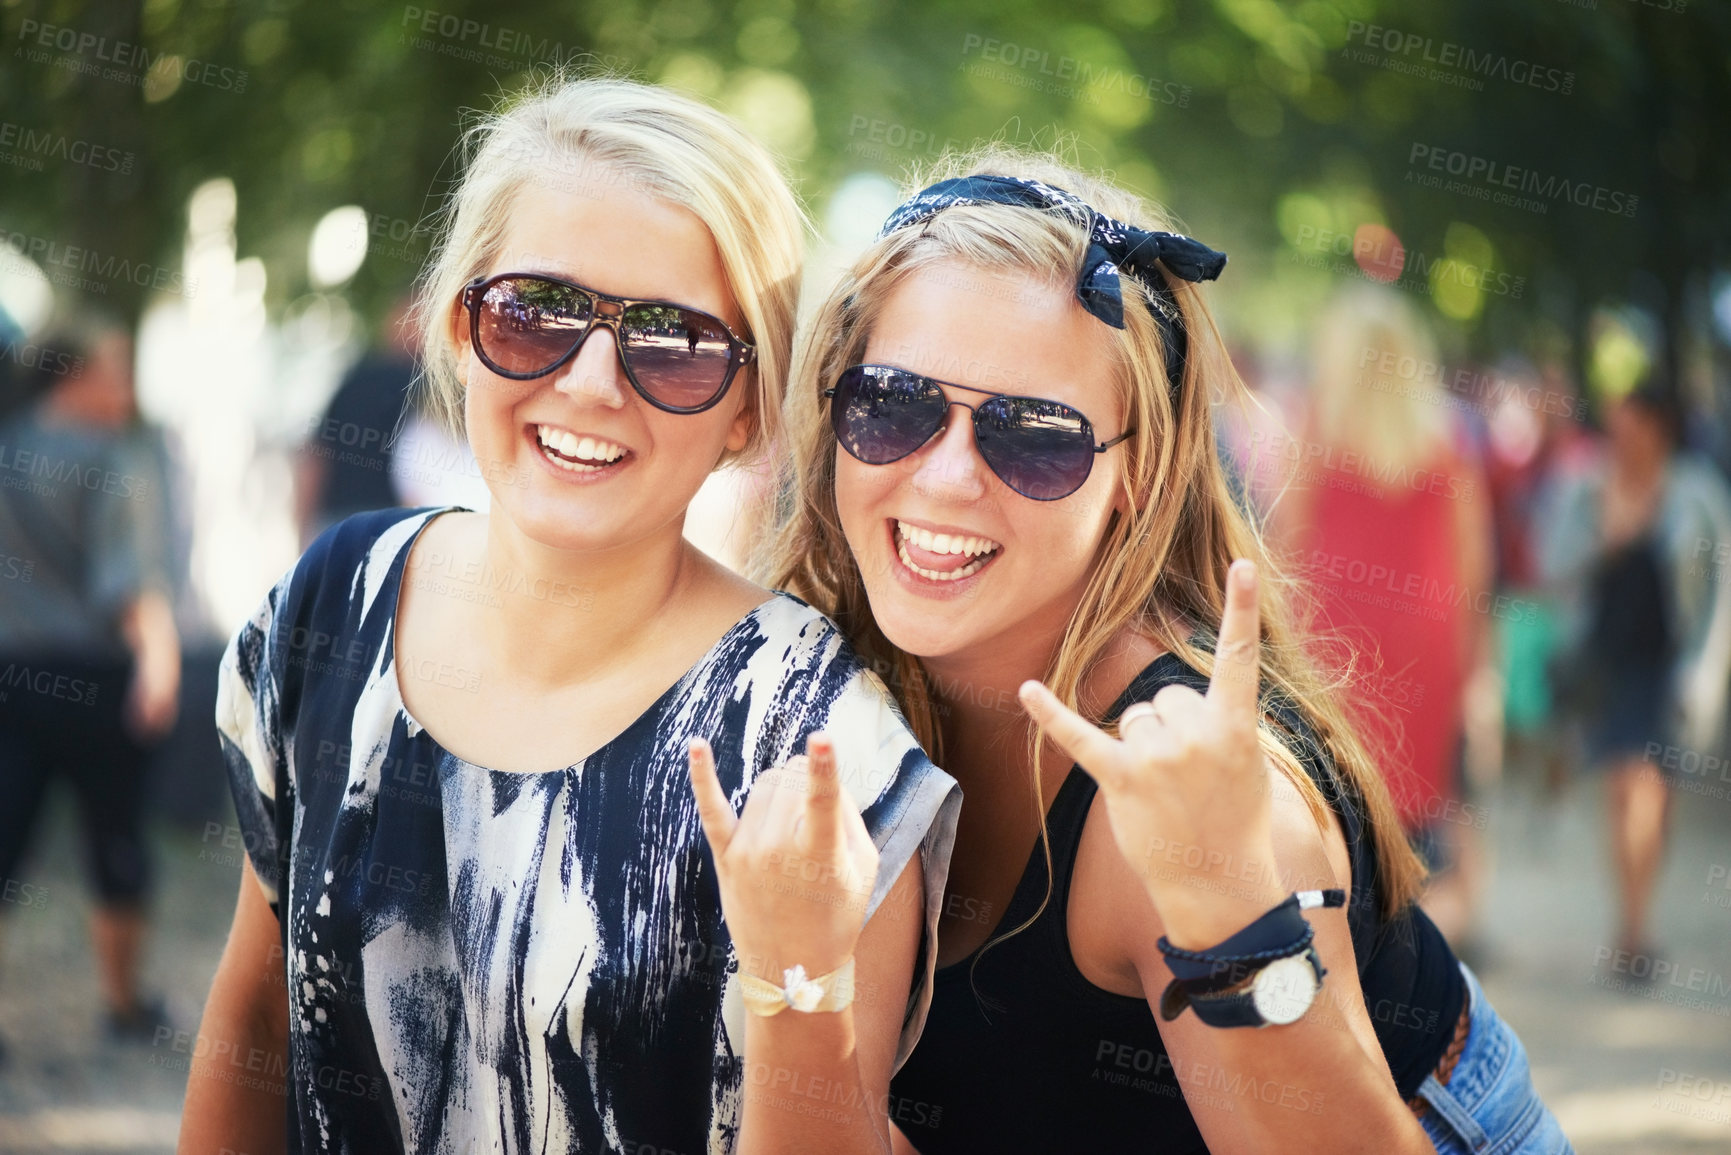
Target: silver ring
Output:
{"points": [[1134, 711]]}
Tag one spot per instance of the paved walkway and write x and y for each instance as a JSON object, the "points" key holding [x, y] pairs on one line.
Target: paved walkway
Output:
{"points": [[1629, 1072]]}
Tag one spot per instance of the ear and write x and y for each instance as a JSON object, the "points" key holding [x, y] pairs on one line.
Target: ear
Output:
{"points": [[458, 320], [744, 425], [1121, 495]]}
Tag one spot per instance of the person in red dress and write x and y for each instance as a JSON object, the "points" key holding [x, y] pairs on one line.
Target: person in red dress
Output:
{"points": [[1385, 504]]}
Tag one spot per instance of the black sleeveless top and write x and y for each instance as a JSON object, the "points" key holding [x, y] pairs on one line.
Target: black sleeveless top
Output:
{"points": [[1026, 1055]]}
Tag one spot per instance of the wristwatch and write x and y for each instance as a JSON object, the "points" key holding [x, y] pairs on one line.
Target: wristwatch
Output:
{"points": [[1277, 994]]}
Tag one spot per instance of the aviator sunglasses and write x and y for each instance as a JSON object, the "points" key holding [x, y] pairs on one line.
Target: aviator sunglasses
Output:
{"points": [[1042, 449], [526, 325]]}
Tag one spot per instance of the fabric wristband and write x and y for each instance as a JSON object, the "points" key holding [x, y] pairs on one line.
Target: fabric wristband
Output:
{"points": [[1280, 933], [831, 992]]}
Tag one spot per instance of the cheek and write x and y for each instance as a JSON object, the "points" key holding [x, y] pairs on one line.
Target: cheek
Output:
{"points": [[1065, 537], [487, 415], [859, 488]]}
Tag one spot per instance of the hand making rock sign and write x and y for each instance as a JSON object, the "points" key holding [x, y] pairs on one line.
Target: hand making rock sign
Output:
{"points": [[1187, 771]]}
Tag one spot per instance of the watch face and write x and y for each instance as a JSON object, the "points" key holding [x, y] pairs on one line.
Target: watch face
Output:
{"points": [[1284, 990]]}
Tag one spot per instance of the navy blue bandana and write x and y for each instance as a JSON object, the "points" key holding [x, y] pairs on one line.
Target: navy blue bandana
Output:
{"points": [[1113, 248]]}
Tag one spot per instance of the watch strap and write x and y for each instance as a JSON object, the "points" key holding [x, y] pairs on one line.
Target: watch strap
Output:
{"points": [[1235, 1007]]}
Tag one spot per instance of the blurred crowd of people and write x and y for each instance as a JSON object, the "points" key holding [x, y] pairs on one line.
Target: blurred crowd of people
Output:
{"points": [[1502, 571], [1496, 580]]}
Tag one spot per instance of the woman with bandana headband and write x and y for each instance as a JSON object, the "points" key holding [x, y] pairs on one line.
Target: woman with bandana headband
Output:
{"points": [[1006, 493]]}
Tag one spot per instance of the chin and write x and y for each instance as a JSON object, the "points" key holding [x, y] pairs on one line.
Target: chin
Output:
{"points": [[920, 628]]}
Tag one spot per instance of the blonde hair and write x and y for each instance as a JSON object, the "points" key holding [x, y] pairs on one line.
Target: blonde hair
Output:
{"points": [[1161, 569], [652, 140], [1396, 419]]}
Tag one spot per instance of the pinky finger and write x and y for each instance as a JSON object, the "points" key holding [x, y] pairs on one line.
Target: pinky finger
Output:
{"points": [[713, 808]]}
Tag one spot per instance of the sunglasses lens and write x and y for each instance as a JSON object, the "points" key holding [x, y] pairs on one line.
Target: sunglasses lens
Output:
{"points": [[882, 415], [526, 324], [680, 356], [1041, 449]]}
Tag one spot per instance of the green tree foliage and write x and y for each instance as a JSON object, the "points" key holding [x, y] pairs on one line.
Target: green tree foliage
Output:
{"points": [[1270, 127]]}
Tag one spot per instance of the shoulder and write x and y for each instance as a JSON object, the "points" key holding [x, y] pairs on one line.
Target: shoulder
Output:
{"points": [[801, 666], [345, 563], [792, 633]]}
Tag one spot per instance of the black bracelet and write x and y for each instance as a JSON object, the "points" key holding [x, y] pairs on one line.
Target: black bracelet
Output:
{"points": [[1213, 956], [1280, 933]]}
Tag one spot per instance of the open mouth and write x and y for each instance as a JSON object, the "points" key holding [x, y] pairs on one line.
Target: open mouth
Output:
{"points": [[943, 557], [578, 454]]}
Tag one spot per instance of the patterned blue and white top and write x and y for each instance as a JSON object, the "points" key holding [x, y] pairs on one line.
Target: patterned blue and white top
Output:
{"points": [[482, 960]]}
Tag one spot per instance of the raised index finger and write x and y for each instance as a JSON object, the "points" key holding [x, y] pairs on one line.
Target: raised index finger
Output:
{"points": [[1237, 657]]}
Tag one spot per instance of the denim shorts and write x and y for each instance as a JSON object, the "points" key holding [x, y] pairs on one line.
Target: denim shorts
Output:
{"points": [[1489, 1106]]}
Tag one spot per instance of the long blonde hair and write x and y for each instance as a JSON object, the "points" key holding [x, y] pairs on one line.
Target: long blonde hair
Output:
{"points": [[1396, 419], [1161, 568], [578, 133]]}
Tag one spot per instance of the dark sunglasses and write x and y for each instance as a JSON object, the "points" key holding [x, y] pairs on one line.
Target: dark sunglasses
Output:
{"points": [[526, 325], [1041, 449]]}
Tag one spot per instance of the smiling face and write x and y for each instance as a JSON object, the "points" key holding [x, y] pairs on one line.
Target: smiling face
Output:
{"points": [[577, 459], [954, 561]]}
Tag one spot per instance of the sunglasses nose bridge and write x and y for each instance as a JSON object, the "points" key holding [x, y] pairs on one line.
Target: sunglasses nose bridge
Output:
{"points": [[952, 470], [581, 377]]}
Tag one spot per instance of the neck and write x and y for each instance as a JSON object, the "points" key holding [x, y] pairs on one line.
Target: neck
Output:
{"points": [[567, 616], [986, 731]]}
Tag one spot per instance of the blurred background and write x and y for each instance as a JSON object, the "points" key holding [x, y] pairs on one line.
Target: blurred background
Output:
{"points": [[1480, 283]]}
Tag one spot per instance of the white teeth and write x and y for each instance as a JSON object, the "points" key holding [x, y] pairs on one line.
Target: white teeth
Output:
{"points": [[571, 449], [980, 549], [966, 571], [946, 543]]}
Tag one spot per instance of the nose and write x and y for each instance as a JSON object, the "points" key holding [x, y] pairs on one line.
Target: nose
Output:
{"points": [[595, 375], [949, 467]]}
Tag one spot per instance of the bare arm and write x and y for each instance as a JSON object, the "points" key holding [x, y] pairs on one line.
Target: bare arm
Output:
{"points": [[153, 698], [795, 870], [1320, 1084], [1192, 773], [236, 1092], [821, 1082]]}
